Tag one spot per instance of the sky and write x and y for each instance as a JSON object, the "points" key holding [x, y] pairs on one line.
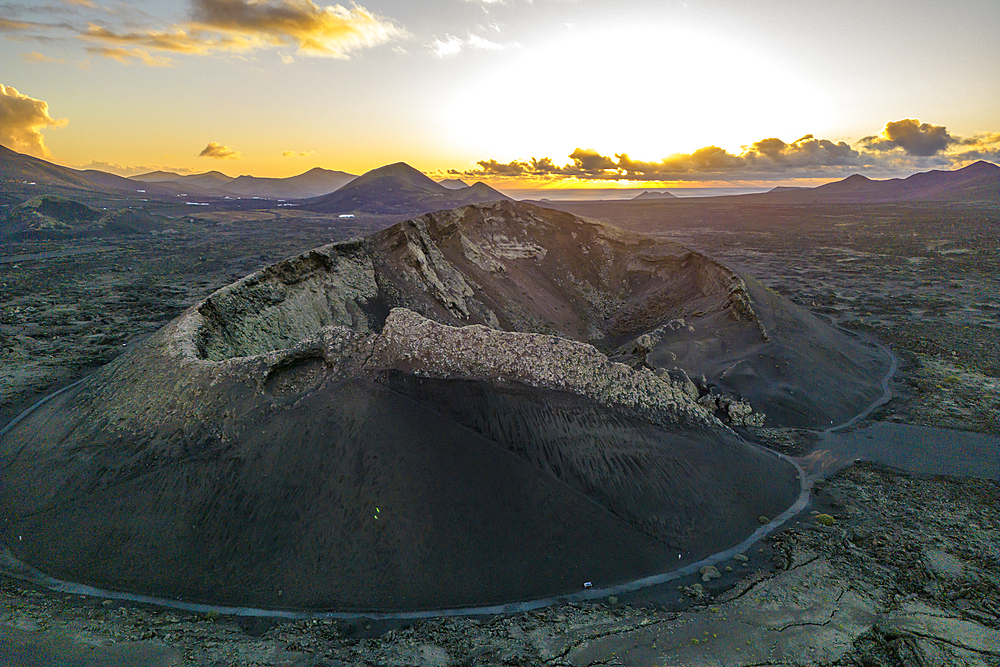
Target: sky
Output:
{"points": [[522, 94]]}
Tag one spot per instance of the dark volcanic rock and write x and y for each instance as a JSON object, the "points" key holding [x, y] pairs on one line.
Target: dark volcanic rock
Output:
{"points": [[54, 217], [48, 216], [419, 419]]}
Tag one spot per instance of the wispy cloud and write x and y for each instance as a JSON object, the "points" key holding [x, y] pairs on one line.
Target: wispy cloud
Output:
{"points": [[22, 120], [36, 57], [332, 30], [221, 26], [219, 152], [297, 153], [10, 25], [175, 40], [127, 56], [902, 146], [452, 45], [132, 170]]}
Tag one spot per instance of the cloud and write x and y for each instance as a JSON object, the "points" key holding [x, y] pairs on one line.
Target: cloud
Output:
{"points": [[452, 45], [914, 137], [176, 40], [297, 153], [590, 160], [238, 26], [985, 139], [903, 147], [449, 47], [807, 151], [331, 30], [126, 56], [477, 42], [229, 26], [133, 170], [220, 152], [9, 25], [494, 168], [21, 120], [36, 57]]}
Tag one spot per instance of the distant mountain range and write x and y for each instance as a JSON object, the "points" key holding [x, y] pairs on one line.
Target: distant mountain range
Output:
{"points": [[399, 189], [978, 181], [453, 183], [654, 195], [27, 169], [312, 183]]}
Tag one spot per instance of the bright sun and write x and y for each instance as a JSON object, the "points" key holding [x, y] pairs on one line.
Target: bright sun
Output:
{"points": [[649, 93]]}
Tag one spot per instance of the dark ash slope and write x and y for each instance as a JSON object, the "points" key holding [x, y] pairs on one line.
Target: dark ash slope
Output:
{"points": [[331, 433]]}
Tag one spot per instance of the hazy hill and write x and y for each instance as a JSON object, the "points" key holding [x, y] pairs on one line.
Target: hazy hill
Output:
{"points": [[17, 168], [210, 179], [20, 167], [156, 177], [313, 183], [399, 189], [453, 183], [654, 195], [978, 181]]}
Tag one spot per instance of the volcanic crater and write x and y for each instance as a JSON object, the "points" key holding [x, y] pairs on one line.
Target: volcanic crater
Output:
{"points": [[477, 406]]}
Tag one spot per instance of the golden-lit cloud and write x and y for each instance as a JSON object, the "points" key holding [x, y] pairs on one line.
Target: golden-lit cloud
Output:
{"points": [[219, 152], [176, 40], [132, 170], [985, 139], [332, 30], [805, 151], [80, 3], [36, 57], [587, 159], [127, 56], [297, 153], [9, 25], [22, 119], [903, 145], [914, 137], [237, 26]]}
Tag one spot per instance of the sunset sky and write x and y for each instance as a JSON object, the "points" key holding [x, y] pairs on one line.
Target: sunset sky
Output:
{"points": [[519, 93]]}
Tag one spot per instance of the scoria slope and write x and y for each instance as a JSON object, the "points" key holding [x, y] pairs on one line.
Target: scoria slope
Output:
{"points": [[423, 418]]}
